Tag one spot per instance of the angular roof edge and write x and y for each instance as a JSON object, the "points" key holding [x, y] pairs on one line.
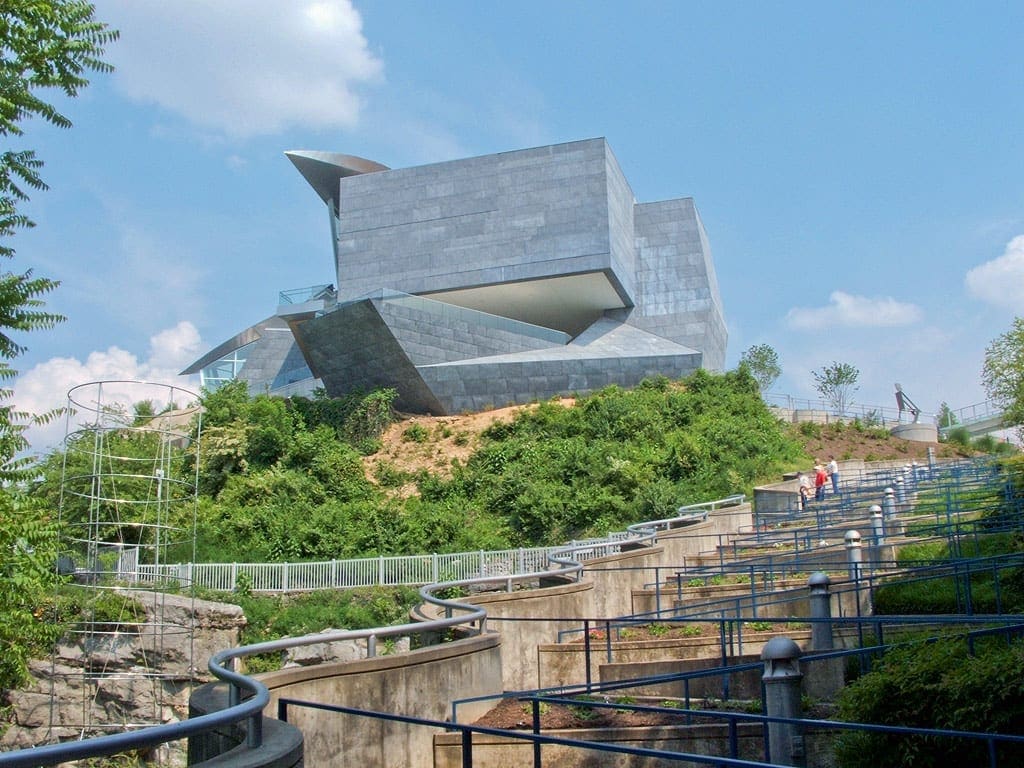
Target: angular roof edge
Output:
{"points": [[324, 170]]}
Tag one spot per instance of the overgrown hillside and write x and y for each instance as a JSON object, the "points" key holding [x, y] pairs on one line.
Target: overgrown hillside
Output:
{"points": [[329, 478]]}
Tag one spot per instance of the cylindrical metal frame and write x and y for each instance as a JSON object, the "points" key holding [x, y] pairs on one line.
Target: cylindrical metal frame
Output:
{"points": [[128, 496]]}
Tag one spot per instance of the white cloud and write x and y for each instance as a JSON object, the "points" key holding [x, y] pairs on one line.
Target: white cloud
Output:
{"points": [[46, 385], [1000, 282], [847, 310], [244, 67], [174, 348]]}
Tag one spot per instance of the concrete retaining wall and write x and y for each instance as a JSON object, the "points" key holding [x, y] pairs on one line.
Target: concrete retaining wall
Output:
{"points": [[566, 663], [421, 683]]}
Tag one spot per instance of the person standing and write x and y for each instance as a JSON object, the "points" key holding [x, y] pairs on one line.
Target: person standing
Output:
{"points": [[820, 478], [833, 471], [805, 491]]}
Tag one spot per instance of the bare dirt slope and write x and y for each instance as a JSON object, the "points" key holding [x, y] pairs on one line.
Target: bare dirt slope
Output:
{"points": [[432, 443]]}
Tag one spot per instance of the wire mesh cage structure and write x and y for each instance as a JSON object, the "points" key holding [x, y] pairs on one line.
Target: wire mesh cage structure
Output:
{"points": [[127, 505]]}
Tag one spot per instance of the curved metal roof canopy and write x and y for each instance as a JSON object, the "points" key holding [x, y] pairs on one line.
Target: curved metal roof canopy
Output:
{"points": [[324, 170]]}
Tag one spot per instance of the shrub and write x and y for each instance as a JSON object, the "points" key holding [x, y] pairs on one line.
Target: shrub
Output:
{"points": [[959, 436], [415, 433], [938, 685], [809, 429], [390, 476]]}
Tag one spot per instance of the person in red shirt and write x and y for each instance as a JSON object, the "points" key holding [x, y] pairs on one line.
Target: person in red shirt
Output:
{"points": [[820, 478]]}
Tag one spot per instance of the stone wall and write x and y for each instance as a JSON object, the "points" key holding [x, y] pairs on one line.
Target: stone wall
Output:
{"points": [[145, 674]]}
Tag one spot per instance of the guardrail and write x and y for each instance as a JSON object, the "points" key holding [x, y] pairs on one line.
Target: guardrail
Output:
{"points": [[566, 559], [870, 414], [396, 570]]}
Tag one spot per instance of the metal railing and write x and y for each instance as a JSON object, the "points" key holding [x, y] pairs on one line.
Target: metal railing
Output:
{"points": [[596, 697], [566, 559], [385, 570], [870, 414], [302, 295], [566, 564], [402, 570]]}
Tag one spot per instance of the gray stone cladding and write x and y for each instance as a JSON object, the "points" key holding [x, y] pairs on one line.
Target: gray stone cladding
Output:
{"points": [[470, 387], [552, 235], [501, 218], [609, 352], [677, 292], [273, 361], [352, 349], [376, 342]]}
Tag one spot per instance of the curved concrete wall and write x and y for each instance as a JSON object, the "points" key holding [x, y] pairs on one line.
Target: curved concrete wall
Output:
{"points": [[683, 545], [421, 683], [282, 745], [616, 576], [529, 618], [922, 433], [424, 683]]}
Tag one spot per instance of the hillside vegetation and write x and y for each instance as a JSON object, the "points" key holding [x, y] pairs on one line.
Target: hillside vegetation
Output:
{"points": [[321, 478]]}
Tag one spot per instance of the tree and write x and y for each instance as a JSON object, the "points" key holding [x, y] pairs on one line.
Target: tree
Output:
{"points": [[47, 44], [27, 579], [1002, 374], [836, 383], [946, 417], [763, 363]]}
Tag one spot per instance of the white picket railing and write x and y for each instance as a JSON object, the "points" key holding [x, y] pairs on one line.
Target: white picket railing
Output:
{"points": [[386, 570], [390, 570]]}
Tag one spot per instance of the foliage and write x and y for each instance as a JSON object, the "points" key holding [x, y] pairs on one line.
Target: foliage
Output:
{"points": [[763, 363], [557, 473], [28, 543], [47, 44], [992, 588], [356, 418], [279, 479], [946, 417], [271, 617], [836, 383], [415, 433], [960, 436], [1002, 374], [122, 477], [937, 685]]}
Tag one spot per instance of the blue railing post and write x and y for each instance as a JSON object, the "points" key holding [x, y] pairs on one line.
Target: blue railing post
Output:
{"points": [[254, 735], [657, 589], [586, 651], [536, 730], [467, 748]]}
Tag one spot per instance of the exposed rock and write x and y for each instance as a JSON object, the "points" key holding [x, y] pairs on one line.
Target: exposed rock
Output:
{"points": [[136, 673], [339, 650]]}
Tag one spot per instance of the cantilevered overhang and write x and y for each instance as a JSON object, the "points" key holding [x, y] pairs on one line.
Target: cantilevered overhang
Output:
{"points": [[325, 170], [567, 303]]}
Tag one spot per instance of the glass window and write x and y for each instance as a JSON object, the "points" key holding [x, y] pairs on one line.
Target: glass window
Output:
{"points": [[227, 368]]}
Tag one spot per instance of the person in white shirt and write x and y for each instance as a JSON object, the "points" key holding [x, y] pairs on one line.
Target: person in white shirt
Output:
{"points": [[805, 490], [833, 471]]}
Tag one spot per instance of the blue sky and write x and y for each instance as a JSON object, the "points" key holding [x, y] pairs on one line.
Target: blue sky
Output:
{"points": [[859, 167]]}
